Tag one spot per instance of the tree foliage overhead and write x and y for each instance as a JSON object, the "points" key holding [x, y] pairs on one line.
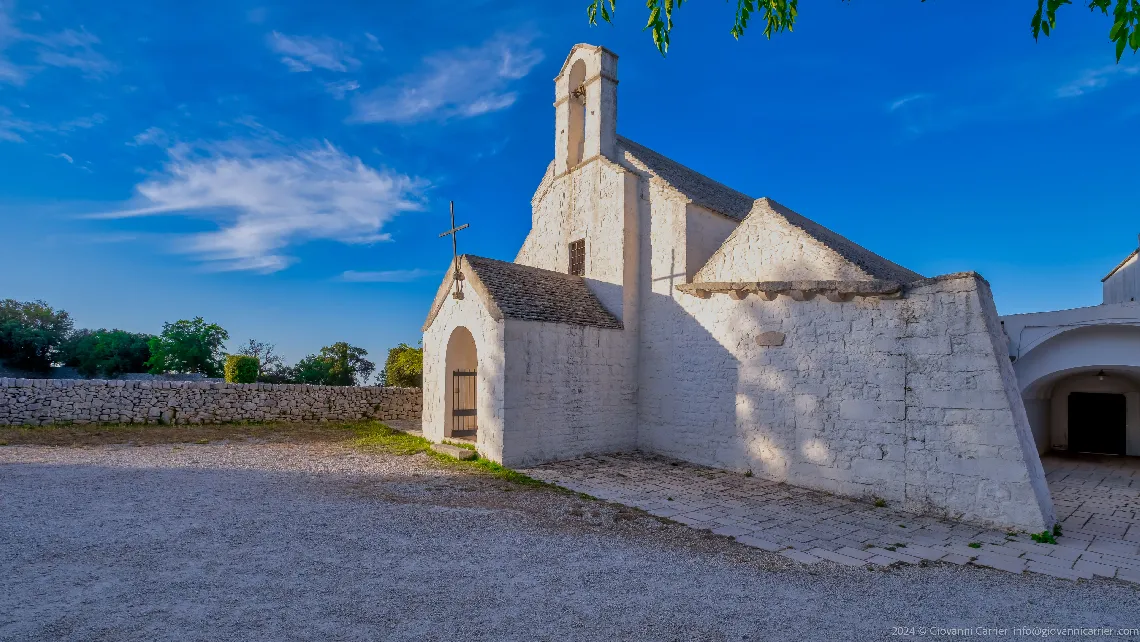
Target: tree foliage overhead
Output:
{"points": [[106, 353], [404, 367], [31, 333], [188, 347], [780, 15]]}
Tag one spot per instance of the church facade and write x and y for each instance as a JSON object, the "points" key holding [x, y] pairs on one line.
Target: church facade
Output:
{"points": [[654, 309]]}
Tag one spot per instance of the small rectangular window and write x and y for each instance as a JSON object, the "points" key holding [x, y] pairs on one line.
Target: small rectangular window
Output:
{"points": [[578, 257]]}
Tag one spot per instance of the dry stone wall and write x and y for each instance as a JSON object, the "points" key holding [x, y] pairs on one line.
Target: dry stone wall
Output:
{"points": [[54, 401]]}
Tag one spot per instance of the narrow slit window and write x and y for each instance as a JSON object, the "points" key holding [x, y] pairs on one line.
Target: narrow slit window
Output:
{"points": [[578, 257]]}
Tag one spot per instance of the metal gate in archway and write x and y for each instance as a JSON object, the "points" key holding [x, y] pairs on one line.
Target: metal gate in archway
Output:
{"points": [[464, 421]]}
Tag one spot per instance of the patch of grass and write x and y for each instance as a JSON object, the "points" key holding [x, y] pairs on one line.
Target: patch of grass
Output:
{"points": [[1057, 529], [748, 474], [1011, 533], [900, 545], [378, 437], [974, 544], [202, 441], [879, 502], [1044, 537], [669, 499], [889, 548], [902, 525]]}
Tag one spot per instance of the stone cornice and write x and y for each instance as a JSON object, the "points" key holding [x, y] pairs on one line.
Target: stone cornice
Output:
{"points": [[836, 291]]}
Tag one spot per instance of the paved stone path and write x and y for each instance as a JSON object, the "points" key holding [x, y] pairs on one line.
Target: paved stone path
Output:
{"points": [[1098, 503]]}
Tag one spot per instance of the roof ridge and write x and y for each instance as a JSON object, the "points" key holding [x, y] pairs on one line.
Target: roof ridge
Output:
{"points": [[699, 188]]}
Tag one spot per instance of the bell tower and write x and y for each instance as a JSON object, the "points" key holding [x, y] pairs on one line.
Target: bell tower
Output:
{"points": [[585, 107]]}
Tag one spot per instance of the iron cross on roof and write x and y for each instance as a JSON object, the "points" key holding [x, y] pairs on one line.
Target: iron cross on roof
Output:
{"points": [[458, 294]]}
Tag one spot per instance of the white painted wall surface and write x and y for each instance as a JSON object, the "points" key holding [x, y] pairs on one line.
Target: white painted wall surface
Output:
{"points": [[488, 333], [1124, 285], [765, 247], [568, 393]]}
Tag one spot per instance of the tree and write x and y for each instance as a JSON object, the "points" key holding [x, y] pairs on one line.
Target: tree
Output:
{"points": [[404, 367], [188, 346], [273, 368], [780, 15], [312, 370], [106, 353], [337, 365], [31, 333], [347, 364]]}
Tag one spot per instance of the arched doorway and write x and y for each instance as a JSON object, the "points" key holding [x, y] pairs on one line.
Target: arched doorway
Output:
{"points": [[1081, 391], [461, 394]]}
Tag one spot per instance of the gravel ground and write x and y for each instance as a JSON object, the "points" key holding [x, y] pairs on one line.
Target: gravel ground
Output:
{"points": [[299, 541]]}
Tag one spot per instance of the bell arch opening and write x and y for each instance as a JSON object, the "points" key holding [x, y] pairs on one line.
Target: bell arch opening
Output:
{"points": [[461, 373], [576, 138]]}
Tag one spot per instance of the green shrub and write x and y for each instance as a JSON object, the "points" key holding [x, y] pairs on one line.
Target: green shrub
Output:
{"points": [[241, 368], [404, 367]]}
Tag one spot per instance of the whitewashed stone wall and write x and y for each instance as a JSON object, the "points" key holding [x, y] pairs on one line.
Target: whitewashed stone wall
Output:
{"points": [[488, 334], [587, 203], [766, 247], [83, 401], [568, 393], [910, 400]]}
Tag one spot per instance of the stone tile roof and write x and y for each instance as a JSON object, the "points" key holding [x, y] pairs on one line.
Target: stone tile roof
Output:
{"points": [[515, 291], [699, 188]]}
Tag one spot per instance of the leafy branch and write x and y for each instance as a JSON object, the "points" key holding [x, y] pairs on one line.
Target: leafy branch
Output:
{"points": [[780, 15]]}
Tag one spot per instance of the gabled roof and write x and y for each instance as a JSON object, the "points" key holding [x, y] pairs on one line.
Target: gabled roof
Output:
{"points": [[1120, 265], [514, 291], [775, 243], [700, 189]]}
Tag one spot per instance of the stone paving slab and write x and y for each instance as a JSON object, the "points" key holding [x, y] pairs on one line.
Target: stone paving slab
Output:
{"points": [[1098, 505]]}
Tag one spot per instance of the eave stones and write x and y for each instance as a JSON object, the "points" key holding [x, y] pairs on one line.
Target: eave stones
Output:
{"points": [[834, 291]]}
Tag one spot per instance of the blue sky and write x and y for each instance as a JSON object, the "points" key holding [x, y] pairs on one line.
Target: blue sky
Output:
{"points": [[284, 169]]}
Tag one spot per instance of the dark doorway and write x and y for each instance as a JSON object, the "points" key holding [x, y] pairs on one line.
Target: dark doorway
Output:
{"points": [[1097, 423], [464, 423]]}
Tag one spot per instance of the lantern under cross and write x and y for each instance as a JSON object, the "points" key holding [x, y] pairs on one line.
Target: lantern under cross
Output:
{"points": [[458, 293]]}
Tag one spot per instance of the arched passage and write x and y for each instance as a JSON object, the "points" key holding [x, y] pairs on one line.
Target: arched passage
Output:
{"points": [[1081, 392], [461, 366]]}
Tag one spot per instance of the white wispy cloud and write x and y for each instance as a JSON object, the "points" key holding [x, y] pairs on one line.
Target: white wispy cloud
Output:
{"points": [[66, 157], [460, 83], [341, 88], [1091, 80], [385, 276], [905, 100], [303, 53], [150, 136], [73, 49], [12, 129], [67, 49], [267, 195]]}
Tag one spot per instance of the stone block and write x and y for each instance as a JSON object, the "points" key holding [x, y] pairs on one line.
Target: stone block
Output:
{"points": [[461, 454]]}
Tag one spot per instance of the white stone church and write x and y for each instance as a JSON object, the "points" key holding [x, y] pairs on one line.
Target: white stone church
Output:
{"points": [[654, 309]]}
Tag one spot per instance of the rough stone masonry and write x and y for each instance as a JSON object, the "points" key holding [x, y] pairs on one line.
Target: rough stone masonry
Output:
{"points": [[53, 401]]}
